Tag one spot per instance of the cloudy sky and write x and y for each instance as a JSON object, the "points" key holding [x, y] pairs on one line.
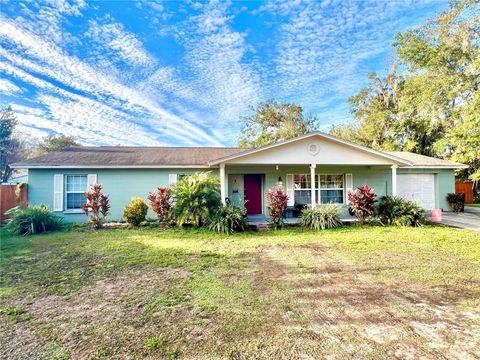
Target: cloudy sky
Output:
{"points": [[183, 73]]}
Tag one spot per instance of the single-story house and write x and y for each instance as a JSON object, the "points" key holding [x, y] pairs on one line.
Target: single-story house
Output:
{"points": [[315, 168]]}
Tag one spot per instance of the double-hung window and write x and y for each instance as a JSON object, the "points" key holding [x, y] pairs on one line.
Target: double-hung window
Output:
{"points": [[302, 187], [331, 189], [75, 188]]}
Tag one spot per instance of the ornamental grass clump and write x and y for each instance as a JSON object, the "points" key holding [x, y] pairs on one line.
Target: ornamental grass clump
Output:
{"points": [[362, 202], [135, 212], [32, 220], [229, 219], [321, 217], [161, 204], [277, 204], [96, 206]]}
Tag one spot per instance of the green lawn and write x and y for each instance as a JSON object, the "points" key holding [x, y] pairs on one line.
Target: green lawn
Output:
{"points": [[352, 292], [473, 205]]}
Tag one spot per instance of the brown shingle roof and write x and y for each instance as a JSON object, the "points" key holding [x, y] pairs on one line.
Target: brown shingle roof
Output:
{"points": [[130, 156], [422, 160], [113, 156]]}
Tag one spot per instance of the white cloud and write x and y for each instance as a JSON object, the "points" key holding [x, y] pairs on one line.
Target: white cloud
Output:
{"points": [[8, 88], [107, 84], [114, 41], [41, 57]]}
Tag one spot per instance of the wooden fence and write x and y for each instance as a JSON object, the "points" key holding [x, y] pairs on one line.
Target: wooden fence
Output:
{"points": [[8, 199], [465, 187]]}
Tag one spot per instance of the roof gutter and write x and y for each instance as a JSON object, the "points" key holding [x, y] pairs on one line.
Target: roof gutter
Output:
{"points": [[27, 166]]}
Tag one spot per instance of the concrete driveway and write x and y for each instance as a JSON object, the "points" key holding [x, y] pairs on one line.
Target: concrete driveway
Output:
{"points": [[465, 220]]}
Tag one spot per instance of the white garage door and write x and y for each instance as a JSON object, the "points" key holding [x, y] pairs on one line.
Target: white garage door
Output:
{"points": [[419, 188]]}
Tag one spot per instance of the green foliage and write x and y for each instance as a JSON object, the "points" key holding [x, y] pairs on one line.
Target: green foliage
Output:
{"points": [[156, 342], [321, 217], [10, 147], [32, 220], [433, 106], [52, 143], [135, 212], [196, 198], [272, 122], [400, 212], [15, 313], [229, 219], [456, 201]]}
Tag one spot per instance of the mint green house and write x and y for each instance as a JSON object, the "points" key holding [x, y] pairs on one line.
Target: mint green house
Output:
{"points": [[315, 168]]}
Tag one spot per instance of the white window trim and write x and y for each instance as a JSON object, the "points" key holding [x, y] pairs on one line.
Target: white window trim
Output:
{"points": [[73, 210], [319, 190], [309, 182]]}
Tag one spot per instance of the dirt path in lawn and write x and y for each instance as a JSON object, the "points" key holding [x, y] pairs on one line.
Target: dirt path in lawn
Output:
{"points": [[340, 310]]}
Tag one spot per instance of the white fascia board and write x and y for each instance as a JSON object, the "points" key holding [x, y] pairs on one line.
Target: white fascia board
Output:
{"points": [[320, 134], [109, 166]]}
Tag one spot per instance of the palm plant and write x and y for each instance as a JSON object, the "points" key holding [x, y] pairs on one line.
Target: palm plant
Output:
{"points": [[196, 197], [229, 219]]}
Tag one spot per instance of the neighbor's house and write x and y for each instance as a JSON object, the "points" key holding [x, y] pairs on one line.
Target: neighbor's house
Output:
{"points": [[315, 168]]}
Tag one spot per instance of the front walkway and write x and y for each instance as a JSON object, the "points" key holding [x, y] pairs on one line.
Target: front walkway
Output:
{"points": [[470, 221]]}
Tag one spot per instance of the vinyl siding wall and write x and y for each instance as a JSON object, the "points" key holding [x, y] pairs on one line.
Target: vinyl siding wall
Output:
{"points": [[123, 184]]}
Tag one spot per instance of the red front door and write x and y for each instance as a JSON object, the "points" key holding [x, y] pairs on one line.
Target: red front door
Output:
{"points": [[252, 190]]}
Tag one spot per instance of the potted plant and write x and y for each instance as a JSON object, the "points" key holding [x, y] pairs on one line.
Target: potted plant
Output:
{"points": [[456, 201]]}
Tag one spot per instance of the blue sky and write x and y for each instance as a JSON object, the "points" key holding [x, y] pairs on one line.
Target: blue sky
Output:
{"points": [[183, 73]]}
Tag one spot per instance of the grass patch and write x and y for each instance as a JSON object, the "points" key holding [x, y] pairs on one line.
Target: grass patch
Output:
{"points": [[287, 293]]}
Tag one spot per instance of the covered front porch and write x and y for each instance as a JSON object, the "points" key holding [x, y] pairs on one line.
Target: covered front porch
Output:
{"points": [[306, 186]]}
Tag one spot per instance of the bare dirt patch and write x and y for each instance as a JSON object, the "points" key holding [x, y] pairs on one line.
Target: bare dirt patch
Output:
{"points": [[98, 316], [361, 316]]}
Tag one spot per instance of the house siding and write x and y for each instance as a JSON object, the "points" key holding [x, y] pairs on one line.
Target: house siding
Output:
{"points": [[123, 184], [120, 184]]}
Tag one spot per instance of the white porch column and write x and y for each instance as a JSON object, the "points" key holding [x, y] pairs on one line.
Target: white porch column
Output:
{"points": [[312, 179], [223, 185], [394, 180]]}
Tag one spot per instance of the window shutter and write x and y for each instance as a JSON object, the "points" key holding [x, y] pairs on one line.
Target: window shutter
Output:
{"points": [[348, 186], [58, 192], [91, 179], [290, 192], [172, 179]]}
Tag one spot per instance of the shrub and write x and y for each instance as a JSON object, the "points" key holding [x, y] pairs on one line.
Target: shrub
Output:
{"points": [[135, 212], [456, 201], [277, 204], [196, 197], [160, 202], [321, 217], [229, 219], [32, 220], [400, 212], [96, 206], [362, 202]]}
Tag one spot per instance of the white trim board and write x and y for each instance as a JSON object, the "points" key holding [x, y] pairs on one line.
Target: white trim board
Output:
{"points": [[110, 166], [306, 136]]}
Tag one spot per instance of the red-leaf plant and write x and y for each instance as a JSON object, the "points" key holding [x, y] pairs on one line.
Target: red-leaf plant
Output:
{"points": [[96, 206], [362, 201], [160, 202], [277, 204]]}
